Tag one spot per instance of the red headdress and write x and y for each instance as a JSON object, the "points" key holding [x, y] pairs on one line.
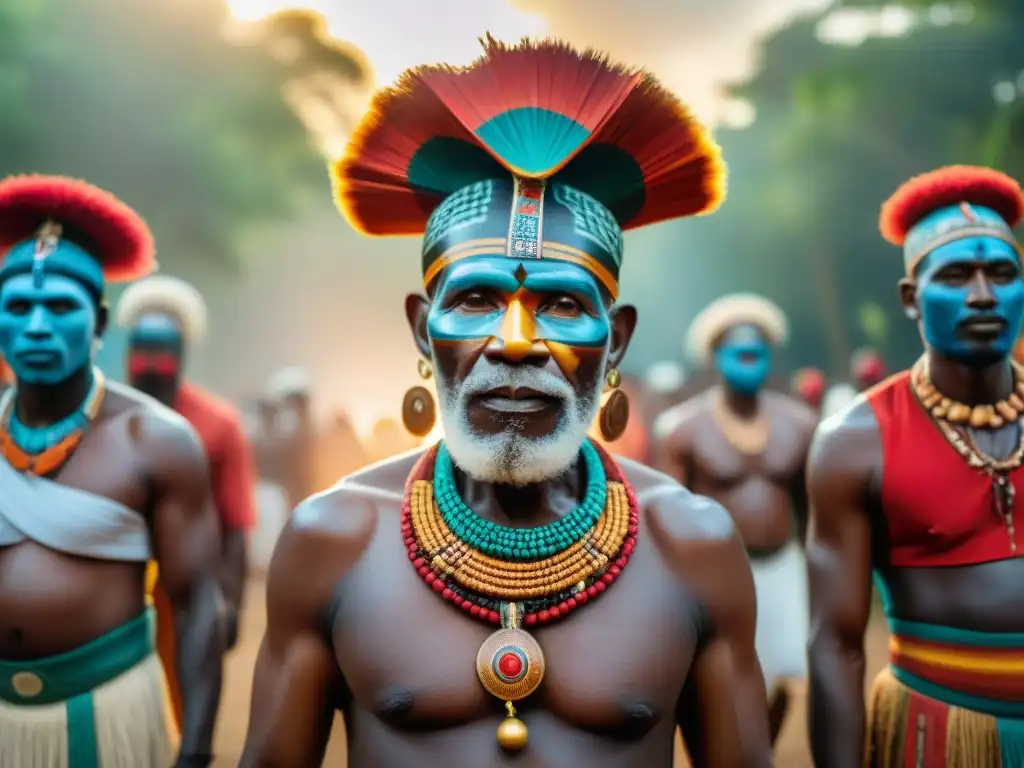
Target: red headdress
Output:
{"points": [[94, 220]]}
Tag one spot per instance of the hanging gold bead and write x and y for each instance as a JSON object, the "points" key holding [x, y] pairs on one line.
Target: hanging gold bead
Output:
{"points": [[512, 733]]}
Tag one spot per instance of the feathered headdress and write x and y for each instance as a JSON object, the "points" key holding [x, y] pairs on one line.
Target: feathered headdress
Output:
{"points": [[948, 204], [728, 312], [534, 151], [67, 226], [169, 295]]}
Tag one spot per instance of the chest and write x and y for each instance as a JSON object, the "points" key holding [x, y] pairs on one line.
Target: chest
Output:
{"points": [[616, 666], [716, 462]]}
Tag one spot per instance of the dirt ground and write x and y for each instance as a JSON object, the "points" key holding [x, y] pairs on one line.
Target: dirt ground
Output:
{"points": [[791, 751]]}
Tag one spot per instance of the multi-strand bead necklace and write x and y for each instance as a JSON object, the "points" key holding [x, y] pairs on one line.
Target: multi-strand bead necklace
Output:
{"points": [[517, 577], [44, 450]]}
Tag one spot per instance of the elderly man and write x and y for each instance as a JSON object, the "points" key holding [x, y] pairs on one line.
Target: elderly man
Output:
{"points": [[917, 481], [96, 480], [165, 317], [745, 447], [530, 553]]}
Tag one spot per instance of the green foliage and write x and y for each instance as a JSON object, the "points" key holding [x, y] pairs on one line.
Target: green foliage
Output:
{"points": [[838, 129], [148, 100]]}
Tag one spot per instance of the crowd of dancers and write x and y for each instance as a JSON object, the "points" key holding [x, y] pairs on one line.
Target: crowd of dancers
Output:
{"points": [[584, 563]]}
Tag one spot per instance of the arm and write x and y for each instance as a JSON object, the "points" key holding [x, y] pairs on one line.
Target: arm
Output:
{"points": [[839, 576], [723, 708], [233, 484], [187, 551], [297, 683]]}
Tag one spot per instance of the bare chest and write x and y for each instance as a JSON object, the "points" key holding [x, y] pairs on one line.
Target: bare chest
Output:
{"points": [[615, 667], [718, 463]]}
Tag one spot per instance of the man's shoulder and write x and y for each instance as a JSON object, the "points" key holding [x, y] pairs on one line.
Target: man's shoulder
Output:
{"points": [[339, 523], [152, 427], [677, 421], [792, 410]]}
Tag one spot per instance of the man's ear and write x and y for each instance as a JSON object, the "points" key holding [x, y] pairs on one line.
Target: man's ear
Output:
{"points": [[623, 319], [102, 318], [416, 310], [908, 298]]}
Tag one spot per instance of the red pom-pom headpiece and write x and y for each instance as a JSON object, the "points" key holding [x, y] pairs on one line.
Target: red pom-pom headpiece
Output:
{"points": [[112, 232], [949, 186]]}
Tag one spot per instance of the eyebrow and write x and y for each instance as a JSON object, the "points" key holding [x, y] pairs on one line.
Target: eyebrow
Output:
{"points": [[563, 281], [479, 277]]}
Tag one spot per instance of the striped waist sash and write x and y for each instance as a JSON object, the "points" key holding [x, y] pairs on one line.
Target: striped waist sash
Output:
{"points": [[978, 671]]}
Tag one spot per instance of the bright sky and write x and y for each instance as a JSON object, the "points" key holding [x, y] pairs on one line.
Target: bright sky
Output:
{"points": [[693, 46]]}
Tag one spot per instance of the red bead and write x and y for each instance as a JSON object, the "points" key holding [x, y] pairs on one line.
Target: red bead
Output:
{"points": [[544, 617], [571, 603], [494, 617], [582, 598], [438, 585], [418, 563], [627, 549], [554, 612], [458, 600], [563, 609], [592, 590], [530, 619], [615, 570], [607, 579], [475, 610], [510, 665], [424, 572], [430, 578], [413, 548], [447, 594], [621, 562], [600, 586], [467, 606], [412, 556]]}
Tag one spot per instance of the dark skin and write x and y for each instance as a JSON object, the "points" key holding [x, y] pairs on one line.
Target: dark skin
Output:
{"points": [[763, 491], [141, 454], [346, 610], [846, 539], [157, 339]]}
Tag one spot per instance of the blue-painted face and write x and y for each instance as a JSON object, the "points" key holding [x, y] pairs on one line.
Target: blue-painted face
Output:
{"points": [[971, 299], [47, 327], [743, 358], [535, 300]]}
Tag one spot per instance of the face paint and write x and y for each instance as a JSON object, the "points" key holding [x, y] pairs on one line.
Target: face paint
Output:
{"points": [[743, 357], [47, 327], [971, 300], [155, 347], [545, 328]]}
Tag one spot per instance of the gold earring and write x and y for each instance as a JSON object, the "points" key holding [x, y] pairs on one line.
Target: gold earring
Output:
{"points": [[615, 412], [419, 414]]}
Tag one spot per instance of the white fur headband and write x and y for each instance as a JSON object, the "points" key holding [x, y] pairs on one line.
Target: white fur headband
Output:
{"points": [[166, 294], [730, 311]]}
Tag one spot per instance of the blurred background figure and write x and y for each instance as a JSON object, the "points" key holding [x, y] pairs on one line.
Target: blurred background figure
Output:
{"points": [[808, 385], [867, 368]]}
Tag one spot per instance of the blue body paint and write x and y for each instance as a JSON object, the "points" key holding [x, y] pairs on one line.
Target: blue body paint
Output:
{"points": [[47, 327], [976, 277], [497, 279], [744, 359]]}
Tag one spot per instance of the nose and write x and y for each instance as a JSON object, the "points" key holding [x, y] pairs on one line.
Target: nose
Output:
{"points": [[980, 296], [516, 341], [38, 327]]}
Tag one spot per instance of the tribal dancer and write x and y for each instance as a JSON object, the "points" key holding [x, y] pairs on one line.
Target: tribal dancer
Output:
{"points": [[166, 317], [745, 447], [530, 553], [917, 479], [96, 481]]}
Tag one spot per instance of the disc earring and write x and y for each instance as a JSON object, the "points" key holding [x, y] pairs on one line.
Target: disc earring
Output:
{"points": [[419, 414], [615, 412]]}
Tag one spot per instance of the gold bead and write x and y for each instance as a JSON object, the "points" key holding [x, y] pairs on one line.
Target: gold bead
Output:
{"points": [[512, 734], [959, 413], [980, 416], [614, 379]]}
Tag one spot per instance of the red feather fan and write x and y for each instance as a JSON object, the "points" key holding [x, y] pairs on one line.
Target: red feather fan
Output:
{"points": [[117, 236], [944, 187]]}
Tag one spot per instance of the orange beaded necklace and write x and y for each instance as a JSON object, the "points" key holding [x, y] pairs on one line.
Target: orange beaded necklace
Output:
{"points": [[52, 458]]}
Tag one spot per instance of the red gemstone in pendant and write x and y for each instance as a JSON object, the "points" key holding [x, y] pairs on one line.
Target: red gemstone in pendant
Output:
{"points": [[510, 664]]}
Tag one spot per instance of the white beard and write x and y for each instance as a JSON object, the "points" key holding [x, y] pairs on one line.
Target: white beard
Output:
{"points": [[509, 457]]}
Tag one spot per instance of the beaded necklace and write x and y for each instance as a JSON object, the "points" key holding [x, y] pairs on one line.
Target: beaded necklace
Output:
{"points": [[43, 450], [521, 592], [957, 435]]}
